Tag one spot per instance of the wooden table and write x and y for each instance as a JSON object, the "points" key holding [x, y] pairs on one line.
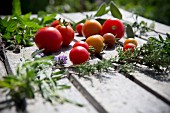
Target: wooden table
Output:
{"points": [[110, 92]]}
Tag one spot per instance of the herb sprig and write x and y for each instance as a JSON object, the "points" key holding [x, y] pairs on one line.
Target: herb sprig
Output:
{"points": [[33, 76], [154, 54]]}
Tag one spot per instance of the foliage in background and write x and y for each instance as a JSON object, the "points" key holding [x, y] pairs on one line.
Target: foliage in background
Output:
{"points": [[157, 10], [70, 6]]}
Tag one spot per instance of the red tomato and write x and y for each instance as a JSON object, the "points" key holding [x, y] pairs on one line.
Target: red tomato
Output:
{"points": [[79, 28], [67, 33], [81, 43], [78, 55], [48, 38], [129, 46], [55, 23], [113, 26]]}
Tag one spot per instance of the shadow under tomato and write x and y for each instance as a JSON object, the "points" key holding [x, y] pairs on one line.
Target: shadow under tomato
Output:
{"points": [[63, 49]]}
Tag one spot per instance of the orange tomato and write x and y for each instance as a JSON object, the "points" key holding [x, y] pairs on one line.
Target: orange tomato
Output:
{"points": [[91, 27], [131, 40], [109, 39], [96, 42]]}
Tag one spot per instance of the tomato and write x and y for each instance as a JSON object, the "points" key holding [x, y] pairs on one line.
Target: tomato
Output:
{"points": [[96, 41], [55, 23], [131, 40], [109, 39], [129, 46], [79, 28], [91, 27], [81, 43], [48, 38], [113, 26], [78, 55], [67, 33]]}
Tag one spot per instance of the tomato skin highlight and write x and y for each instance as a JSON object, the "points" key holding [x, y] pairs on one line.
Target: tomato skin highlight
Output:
{"points": [[130, 46], [114, 26], [78, 55], [67, 34], [81, 43], [48, 38], [79, 28]]}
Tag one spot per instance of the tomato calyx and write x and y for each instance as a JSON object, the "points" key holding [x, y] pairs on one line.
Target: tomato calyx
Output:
{"points": [[63, 23], [113, 27], [91, 49]]}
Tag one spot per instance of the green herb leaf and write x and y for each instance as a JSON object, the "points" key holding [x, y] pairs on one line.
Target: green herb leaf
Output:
{"points": [[18, 39], [6, 36], [58, 72], [48, 19], [36, 53], [27, 16], [102, 10], [12, 25], [64, 87], [100, 20], [115, 11], [129, 31], [161, 39]]}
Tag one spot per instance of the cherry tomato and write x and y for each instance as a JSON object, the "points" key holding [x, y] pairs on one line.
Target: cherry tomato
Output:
{"points": [[109, 39], [96, 41], [91, 27], [48, 38], [79, 28], [113, 26], [81, 43], [55, 23], [67, 33], [130, 40], [129, 46], [78, 55]]}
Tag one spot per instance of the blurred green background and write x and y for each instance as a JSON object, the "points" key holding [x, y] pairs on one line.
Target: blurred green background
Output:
{"points": [[158, 10]]}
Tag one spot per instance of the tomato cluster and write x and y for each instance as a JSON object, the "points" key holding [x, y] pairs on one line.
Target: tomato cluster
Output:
{"points": [[53, 37], [97, 36], [92, 30]]}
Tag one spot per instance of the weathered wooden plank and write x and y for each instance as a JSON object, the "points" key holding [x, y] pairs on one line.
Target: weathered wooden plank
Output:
{"points": [[2, 70], [38, 105], [117, 94], [73, 16], [159, 83]]}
